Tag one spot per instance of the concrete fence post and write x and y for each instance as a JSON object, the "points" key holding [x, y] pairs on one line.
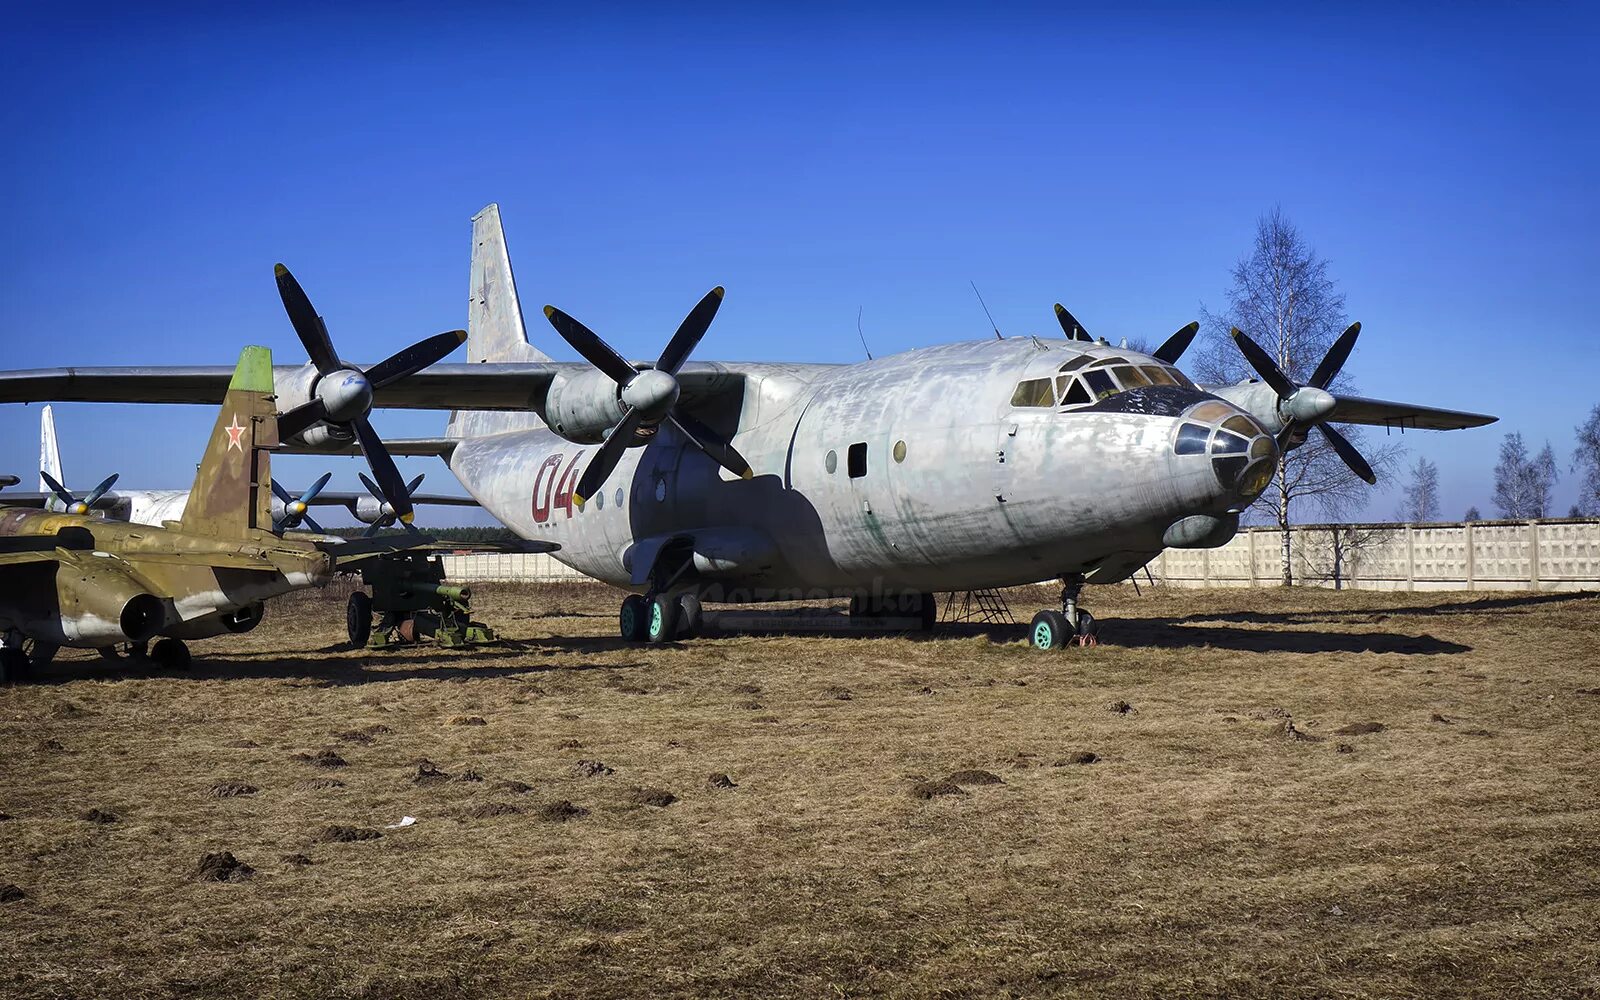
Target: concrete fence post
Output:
{"points": [[1472, 559], [1411, 557], [1533, 554]]}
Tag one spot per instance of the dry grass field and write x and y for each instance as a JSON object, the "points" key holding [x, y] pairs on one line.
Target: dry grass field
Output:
{"points": [[1241, 830]]}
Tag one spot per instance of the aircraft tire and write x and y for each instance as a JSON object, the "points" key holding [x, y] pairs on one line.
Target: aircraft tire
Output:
{"points": [[633, 618], [662, 624], [358, 618], [1049, 630], [170, 654], [690, 616]]}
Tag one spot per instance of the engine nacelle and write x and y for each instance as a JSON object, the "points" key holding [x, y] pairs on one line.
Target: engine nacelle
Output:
{"points": [[322, 437], [235, 622], [581, 408], [101, 605], [368, 509]]}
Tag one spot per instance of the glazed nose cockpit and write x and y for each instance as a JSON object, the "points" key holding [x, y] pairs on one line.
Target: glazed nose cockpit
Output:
{"points": [[1243, 454]]}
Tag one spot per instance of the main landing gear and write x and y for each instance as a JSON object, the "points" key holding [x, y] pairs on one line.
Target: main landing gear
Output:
{"points": [[167, 653], [658, 618], [1071, 626]]}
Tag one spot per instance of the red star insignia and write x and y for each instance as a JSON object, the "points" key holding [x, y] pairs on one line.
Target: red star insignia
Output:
{"points": [[235, 431]]}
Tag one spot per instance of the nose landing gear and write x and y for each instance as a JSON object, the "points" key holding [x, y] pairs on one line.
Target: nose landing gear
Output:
{"points": [[1071, 626]]}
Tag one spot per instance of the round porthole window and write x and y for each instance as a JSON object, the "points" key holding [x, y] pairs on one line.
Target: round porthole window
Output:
{"points": [[600, 500], [661, 490], [832, 462], [899, 451]]}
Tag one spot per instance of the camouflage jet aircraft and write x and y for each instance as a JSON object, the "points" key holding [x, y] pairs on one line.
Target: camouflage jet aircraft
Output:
{"points": [[75, 579], [956, 467]]}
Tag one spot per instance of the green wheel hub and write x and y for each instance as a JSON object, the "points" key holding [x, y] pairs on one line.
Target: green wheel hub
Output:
{"points": [[655, 619], [1042, 639], [627, 619]]}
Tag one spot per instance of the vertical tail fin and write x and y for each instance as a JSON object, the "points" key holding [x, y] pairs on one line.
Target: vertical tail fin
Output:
{"points": [[233, 488], [49, 452], [495, 331]]}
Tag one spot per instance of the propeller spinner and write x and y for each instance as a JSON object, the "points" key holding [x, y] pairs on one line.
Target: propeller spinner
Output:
{"points": [[649, 396], [296, 510], [343, 393], [70, 503], [1310, 404]]}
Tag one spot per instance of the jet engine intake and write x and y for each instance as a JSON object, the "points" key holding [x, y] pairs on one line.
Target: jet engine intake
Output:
{"points": [[102, 605]]}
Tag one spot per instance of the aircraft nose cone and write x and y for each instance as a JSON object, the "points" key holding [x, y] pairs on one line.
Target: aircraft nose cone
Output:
{"points": [[652, 393], [1308, 404], [346, 395]]}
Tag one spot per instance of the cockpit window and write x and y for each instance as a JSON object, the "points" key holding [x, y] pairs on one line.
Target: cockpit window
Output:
{"points": [[1102, 362], [1072, 391], [1158, 375], [1034, 392], [1229, 444], [1077, 362], [1130, 377], [1100, 383], [1191, 439], [1241, 425]]}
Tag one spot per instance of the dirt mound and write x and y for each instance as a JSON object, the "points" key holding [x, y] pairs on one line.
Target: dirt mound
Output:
{"points": [[658, 797], [222, 866], [560, 811], [592, 769], [468, 775], [485, 810], [336, 834], [231, 789], [1081, 757], [321, 784], [1122, 708], [1288, 731], [719, 780], [10, 892], [98, 816], [1436, 717], [1262, 714], [467, 720], [514, 787], [52, 746], [428, 772], [934, 789], [1360, 729], [973, 776], [838, 693], [297, 860], [569, 745], [1345, 748], [67, 710], [326, 757]]}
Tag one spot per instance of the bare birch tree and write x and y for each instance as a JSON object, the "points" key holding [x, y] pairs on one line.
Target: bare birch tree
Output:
{"points": [[1282, 297], [1523, 485], [1421, 501], [1586, 463]]}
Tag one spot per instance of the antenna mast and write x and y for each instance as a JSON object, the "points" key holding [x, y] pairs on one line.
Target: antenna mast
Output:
{"points": [[985, 305]]}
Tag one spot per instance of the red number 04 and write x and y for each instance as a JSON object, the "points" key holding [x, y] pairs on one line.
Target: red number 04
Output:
{"points": [[553, 488]]}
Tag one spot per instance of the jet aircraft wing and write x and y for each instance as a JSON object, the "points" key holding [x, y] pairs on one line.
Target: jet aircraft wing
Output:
{"points": [[20, 558], [487, 386], [1382, 413]]}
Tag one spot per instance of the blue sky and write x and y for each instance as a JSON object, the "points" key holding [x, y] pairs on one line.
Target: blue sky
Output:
{"points": [[815, 162]]}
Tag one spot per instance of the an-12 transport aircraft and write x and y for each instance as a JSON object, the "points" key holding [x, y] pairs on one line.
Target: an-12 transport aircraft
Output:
{"points": [[957, 467]]}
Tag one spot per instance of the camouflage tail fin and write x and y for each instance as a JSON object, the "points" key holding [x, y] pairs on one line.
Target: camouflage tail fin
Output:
{"points": [[495, 332], [233, 487]]}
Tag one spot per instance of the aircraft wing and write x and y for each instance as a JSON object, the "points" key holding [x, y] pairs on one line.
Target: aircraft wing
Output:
{"points": [[487, 386], [20, 558], [346, 499], [9, 499], [1382, 413]]}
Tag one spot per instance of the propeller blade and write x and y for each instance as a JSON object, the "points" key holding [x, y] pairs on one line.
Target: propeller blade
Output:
{"points": [[292, 422], [690, 331], [61, 492], [411, 487], [313, 333], [100, 491], [311, 523], [281, 493], [373, 528], [1347, 451], [316, 487], [414, 358], [588, 343], [383, 468], [720, 452], [1070, 325], [1176, 344], [604, 460], [1336, 357], [1262, 362]]}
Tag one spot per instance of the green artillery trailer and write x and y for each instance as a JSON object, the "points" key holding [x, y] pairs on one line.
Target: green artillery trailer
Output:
{"points": [[414, 603]]}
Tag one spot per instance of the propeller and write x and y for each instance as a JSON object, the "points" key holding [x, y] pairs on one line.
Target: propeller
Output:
{"points": [[649, 396], [297, 509], [387, 514], [70, 503], [1176, 344], [1070, 325], [1310, 403], [343, 393]]}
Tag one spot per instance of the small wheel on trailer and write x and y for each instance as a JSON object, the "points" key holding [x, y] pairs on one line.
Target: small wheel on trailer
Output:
{"points": [[170, 654], [690, 616], [1049, 630], [633, 618], [663, 622], [358, 618]]}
